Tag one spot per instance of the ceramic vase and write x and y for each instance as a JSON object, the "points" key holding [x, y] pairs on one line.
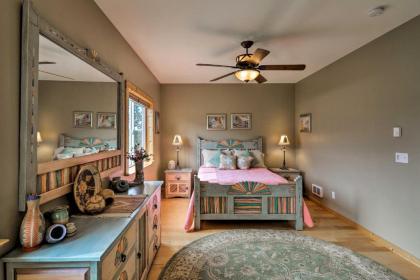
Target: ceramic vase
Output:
{"points": [[139, 179], [55, 233], [32, 229], [60, 215]]}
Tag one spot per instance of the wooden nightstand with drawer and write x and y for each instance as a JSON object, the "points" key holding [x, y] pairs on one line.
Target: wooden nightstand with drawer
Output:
{"points": [[289, 174], [178, 183]]}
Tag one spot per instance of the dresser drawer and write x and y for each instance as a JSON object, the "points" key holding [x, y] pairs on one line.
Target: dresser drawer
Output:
{"points": [[178, 176], [118, 256], [129, 270], [52, 273]]}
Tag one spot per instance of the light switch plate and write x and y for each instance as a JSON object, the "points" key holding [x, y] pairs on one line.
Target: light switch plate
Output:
{"points": [[397, 131], [401, 157]]}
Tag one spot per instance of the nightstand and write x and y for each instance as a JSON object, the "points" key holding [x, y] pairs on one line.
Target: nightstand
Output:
{"points": [[178, 183], [289, 174]]}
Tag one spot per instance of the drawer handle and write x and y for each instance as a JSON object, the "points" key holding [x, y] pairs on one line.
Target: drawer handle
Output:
{"points": [[155, 226], [139, 255], [123, 257]]}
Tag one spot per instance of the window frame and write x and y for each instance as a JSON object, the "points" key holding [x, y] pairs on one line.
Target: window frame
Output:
{"points": [[135, 93]]}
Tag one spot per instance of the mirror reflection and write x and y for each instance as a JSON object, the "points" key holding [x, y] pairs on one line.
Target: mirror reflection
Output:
{"points": [[77, 106]]}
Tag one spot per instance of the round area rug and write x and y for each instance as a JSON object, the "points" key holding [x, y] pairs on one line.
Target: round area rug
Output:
{"points": [[270, 254]]}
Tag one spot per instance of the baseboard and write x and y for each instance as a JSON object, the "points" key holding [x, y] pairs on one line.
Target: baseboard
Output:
{"points": [[385, 243]]}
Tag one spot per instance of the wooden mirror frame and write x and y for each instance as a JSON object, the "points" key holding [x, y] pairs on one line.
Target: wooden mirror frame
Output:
{"points": [[33, 26]]}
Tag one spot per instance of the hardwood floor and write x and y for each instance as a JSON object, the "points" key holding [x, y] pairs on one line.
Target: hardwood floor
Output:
{"points": [[328, 227]]}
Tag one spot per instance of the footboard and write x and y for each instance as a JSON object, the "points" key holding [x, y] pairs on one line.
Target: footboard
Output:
{"points": [[248, 201]]}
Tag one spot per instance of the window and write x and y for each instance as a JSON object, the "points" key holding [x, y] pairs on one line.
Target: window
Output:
{"points": [[138, 123], [136, 126]]}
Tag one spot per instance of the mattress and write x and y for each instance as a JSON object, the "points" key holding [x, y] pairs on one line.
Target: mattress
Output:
{"points": [[230, 177]]}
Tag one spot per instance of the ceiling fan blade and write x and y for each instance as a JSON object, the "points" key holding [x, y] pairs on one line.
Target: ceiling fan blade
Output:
{"points": [[49, 73], [258, 55], [224, 76], [283, 67], [260, 79], [47, 62], [216, 65]]}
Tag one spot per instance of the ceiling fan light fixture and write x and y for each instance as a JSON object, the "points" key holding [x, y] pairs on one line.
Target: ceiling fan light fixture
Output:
{"points": [[247, 75]]}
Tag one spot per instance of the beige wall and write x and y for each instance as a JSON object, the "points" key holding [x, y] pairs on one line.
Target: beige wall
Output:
{"points": [[58, 100], [9, 116], [184, 109], [355, 102], [84, 23]]}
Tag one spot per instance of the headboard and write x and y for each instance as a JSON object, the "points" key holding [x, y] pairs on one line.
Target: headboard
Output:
{"points": [[253, 144]]}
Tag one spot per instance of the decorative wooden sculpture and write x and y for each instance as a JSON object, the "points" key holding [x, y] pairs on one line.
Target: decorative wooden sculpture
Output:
{"points": [[87, 187]]}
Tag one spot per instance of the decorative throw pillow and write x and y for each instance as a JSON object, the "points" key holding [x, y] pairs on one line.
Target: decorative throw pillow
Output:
{"points": [[211, 158], [244, 162], [227, 161], [258, 158]]}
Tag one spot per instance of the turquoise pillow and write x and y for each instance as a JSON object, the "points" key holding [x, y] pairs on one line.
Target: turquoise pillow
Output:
{"points": [[241, 153], [211, 158]]}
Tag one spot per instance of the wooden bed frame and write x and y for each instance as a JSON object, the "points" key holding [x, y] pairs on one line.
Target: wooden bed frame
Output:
{"points": [[245, 200]]}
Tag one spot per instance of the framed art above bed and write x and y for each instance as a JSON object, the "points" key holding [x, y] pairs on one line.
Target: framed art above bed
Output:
{"points": [[216, 121], [240, 121]]}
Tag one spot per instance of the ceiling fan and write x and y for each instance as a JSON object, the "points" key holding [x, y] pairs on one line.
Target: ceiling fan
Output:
{"points": [[49, 73], [248, 66]]}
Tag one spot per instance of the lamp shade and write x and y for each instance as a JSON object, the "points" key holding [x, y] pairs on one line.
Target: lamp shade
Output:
{"points": [[284, 140], [177, 140], [38, 137], [247, 74]]}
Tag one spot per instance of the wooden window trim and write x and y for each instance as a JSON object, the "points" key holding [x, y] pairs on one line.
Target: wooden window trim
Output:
{"points": [[134, 92]]}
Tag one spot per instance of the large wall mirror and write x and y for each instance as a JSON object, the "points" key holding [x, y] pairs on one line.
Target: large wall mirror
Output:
{"points": [[71, 111]]}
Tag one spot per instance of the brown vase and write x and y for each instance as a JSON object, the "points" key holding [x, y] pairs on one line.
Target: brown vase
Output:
{"points": [[32, 229], [139, 179]]}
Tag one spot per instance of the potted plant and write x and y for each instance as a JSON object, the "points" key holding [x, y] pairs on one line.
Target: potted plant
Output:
{"points": [[139, 155]]}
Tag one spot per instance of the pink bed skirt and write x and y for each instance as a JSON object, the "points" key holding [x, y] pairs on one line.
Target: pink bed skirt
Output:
{"points": [[189, 221]]}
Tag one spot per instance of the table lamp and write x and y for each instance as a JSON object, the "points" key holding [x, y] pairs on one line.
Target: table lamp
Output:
{"points": [[38, 138], [284, 141], [177, 142]]}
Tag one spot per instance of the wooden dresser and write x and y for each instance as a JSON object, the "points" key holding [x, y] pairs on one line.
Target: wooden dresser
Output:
{"points": [[115, 246], [178, 183]]}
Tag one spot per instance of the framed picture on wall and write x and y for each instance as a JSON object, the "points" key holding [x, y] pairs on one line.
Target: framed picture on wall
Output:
{"points": [[82, 119], [305, 123], [240, 121], [216, 121], [106, 120]]}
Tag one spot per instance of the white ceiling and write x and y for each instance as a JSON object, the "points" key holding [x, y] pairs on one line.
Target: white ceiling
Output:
{"points": [[171, 36], [68, 67]]}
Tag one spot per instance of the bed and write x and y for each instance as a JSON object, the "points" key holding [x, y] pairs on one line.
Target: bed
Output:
{"points": [[254, 194]]}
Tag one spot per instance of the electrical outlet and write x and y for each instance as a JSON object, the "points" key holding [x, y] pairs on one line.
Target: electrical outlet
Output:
{"points": [[401, 157], [333, 195], [317, 190]]}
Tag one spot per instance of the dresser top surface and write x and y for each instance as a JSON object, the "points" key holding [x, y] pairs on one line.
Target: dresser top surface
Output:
{"points": [[95, 236]]}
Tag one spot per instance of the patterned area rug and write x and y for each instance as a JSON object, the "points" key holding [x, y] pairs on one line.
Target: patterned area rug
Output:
{"points": [[270, 254]]}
